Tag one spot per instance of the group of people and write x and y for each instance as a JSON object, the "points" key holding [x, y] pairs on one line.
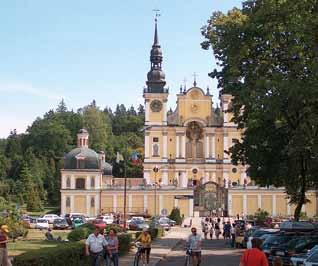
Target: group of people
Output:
{"points": [[100, 246]]}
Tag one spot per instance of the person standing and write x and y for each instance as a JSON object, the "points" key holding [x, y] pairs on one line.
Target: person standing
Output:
{"points": [[145, 239], [211, 230], [112, 247], [233, 235], [4, 259], [217, 230], [254, 256], [194, 243], [94, 247]]}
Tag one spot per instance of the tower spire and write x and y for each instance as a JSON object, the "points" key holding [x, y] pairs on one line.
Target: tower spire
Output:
{"points": [[156, 77]]}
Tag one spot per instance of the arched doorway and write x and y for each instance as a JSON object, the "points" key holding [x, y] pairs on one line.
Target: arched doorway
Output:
{"points": [[209, 198]]}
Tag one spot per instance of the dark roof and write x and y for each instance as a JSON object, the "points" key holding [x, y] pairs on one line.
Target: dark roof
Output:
{"points": [[91, 158], [107, 169], [82, 130]]}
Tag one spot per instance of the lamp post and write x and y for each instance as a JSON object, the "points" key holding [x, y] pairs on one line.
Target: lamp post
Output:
{"points": [[156, 170]]}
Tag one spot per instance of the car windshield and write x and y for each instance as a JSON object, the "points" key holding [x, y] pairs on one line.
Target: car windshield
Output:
{"points": [[59, 221], [42, 221], [276, 240]]}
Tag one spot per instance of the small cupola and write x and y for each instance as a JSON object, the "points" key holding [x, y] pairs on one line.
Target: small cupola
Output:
{"points": [[82, 138]]}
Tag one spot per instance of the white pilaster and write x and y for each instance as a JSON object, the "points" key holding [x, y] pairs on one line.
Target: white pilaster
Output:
{"points": [[145, 202], [225, 147], [165, 112], [147, 111], [72, 203], [225, 114], [63, 204], [288, 207], [183, 148], [97, 205], [165, 180], [244, 204], [147, 146], [259, 201], [165, 146], [206, 177], [115, 203], [147, 177], [213, 147], [130, 202], [207, 144], [176, 203], [191, 207], [226, 179], [160, 204], [229, 203], [72, 182], [184, 180], [177, 146], [274, 205]]}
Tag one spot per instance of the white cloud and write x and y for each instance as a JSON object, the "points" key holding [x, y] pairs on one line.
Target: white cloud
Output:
{"points": [[29, 89]]}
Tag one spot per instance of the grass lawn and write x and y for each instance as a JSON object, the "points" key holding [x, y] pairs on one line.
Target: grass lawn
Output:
{"points": [[35, 240]]}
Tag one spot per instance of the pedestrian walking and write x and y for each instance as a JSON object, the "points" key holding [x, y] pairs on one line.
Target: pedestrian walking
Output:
{"points": [[112, 247], [145, 241], [194, 243], [233, 235], [254, 256], [94, 247], [211, 230], [217, 230]]}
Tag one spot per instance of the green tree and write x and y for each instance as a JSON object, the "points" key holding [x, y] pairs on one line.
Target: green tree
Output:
{"points": [[268, 60]]}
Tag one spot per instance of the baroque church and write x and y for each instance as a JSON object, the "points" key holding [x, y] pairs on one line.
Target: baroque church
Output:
{"points": [[186, 163]]}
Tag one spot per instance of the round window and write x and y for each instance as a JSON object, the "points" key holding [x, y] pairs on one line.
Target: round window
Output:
{"points": [[234, 170], [195, 171]]}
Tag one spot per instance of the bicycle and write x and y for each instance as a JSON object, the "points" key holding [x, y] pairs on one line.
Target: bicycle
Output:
{"points": [[187, 257], [138, 253]]}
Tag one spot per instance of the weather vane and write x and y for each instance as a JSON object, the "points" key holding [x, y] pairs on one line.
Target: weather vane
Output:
{"points": [[157, 13]]}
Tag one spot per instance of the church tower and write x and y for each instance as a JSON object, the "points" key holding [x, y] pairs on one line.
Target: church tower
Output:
{"points": [[155, 93]]}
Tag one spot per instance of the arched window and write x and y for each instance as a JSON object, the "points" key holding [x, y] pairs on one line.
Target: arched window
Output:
{"points": [[155, 150], [92, 182], [68, 182], [80, 183], [92, 202], [68, 202]]}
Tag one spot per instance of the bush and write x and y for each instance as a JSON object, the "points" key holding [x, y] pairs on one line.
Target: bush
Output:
{"points": [[176, 216], [115, 227], [70, 254], [81, 232], [261, 217], [124, 243]]}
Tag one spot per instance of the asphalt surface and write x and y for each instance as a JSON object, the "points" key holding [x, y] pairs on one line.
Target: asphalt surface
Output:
{"points": [[214, 253]]}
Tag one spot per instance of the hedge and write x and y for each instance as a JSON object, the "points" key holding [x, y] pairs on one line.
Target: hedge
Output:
{"points": [[70, 254]]}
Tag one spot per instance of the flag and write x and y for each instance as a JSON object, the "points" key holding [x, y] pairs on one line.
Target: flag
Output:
{"points": [[134, 157], [119, 157]]}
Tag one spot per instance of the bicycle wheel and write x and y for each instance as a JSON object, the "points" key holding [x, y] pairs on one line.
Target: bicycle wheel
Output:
{"points": [[137, 259]]}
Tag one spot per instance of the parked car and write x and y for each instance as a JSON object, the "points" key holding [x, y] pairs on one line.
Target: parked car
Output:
{"points": [[60, 223], [77, 222], [312, 260], [259, 233], [29, 222], [275, 241], [99, 223], [299, 260], [108, 219], [165, 223], [298, 245], [69, 217], [50, 217], [137, 225], [136, 218], [42, 224]]}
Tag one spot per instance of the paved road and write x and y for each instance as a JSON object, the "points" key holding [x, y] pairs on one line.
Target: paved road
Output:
{"points": [[214, 253]]}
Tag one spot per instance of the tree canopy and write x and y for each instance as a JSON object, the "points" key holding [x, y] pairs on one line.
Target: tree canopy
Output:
{"points": [[31, 162], [267, 56]]}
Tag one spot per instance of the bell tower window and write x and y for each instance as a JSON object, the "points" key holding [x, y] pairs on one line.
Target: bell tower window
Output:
{"points": [[80, 183]]}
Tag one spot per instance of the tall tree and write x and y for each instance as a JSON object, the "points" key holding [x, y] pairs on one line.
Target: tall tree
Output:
{"points": [[268, 60]]}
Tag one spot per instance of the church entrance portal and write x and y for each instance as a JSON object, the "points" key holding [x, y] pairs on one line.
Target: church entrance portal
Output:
{"points": [[209, 199]]}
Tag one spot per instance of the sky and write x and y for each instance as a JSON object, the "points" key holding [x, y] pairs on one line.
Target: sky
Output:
{"points": [[83, 50]]}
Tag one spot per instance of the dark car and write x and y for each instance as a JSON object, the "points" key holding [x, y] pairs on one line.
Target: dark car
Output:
{"points": [[60, 223], [137, 225], [275, 241], [297, 245]]}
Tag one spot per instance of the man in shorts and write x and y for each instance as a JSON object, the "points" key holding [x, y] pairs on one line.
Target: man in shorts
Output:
{"points": [[194, 243]]}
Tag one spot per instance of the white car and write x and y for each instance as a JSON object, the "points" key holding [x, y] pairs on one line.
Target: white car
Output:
{"points": [[134, 218], [108, 219], [42, 224], [51, 217]]}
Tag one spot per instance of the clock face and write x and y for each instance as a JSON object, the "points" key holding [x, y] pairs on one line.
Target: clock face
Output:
{"points": [[156, 106]]}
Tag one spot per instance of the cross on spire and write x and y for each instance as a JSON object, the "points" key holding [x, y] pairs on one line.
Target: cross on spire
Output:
{"points": [[157, 14], [195, 79]]}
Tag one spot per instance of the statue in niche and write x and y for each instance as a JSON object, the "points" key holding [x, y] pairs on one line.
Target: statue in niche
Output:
{"points": [[194, 146]]}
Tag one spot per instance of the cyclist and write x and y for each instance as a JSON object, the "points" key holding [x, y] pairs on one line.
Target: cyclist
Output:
{"points": [[94, 246], [145, 240], [194, 244]]}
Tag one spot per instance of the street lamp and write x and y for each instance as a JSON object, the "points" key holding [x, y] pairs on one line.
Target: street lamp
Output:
{"points": [[156, 170]]}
